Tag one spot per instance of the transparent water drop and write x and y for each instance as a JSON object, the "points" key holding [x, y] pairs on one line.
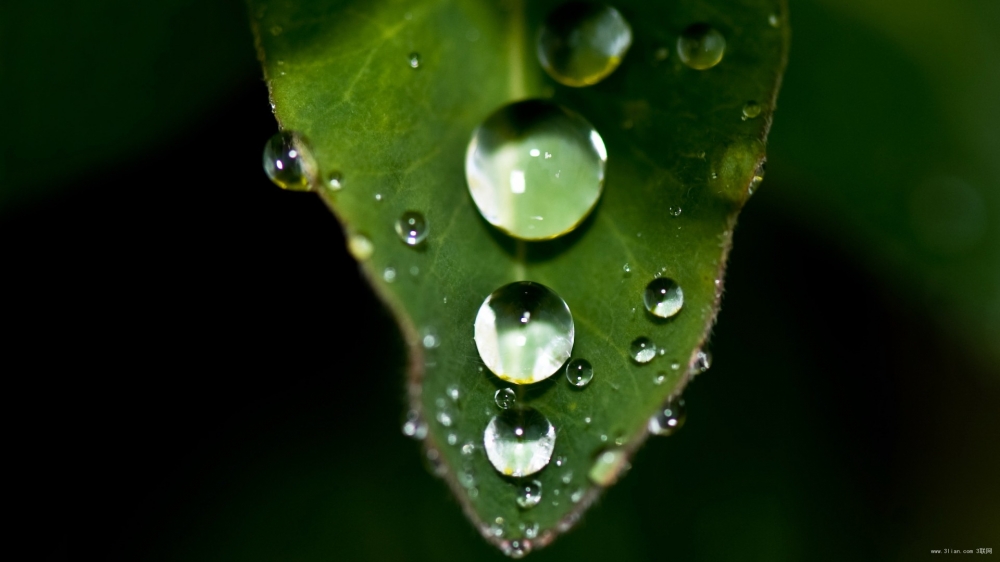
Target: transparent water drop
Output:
{"points": [[668, 419], [751, 109], [587, 420], [528, 197], [288, 161], [620, 440], [701, 46], [659, 378], [389, 274], [429, 338], [414, 427], [642, 350], [608, 465], [702, 362], [524, 332], [505, 398], [579, 372], [529, 494], [453, 392], [414, 271], [675, 366], [276, 30], [758, 177], [531, 531], [568, 477], [663, 297], [577, 495], [466, 477], [378, 197], [452, 439], [468, 448], [773, 20], [674, 211], [414, 60], [360, 247], [582, 43], [627, 269], [519, 442], [444, 418], [335, 181], [412, 228], [516, 548], [560, 460]]}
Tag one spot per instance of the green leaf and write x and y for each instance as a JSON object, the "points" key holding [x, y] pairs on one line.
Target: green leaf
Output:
{"points": [[339, 73]]}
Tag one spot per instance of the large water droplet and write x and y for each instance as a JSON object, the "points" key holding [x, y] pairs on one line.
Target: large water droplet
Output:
{"points": [[524, 332], [522, 193], [529, 494], [582, 43], [701, 46], [504, 398], [607, 467], [579, 372], [412, 228], [642, 350], [668, 419], [663, 297], [288, 161], [519, 442]]}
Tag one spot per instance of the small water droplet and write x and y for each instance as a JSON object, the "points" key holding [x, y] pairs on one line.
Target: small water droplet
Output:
{"points": [[444, 419], [412, 228], [512, 189], [663, 297], [568, 477], [659, 378], [468, 448], [582, 43], [674, 211], [524, 332], [607, 467], [531, 531], [360, 247], [335, 181], [453, 392], [773, 20], [758, 177], [587, 420], [519, 442], [516, 549], [505, 398], [389, 274], [414, 427], [604, 438], [701, 46], [529, 494], [577, 495], [276, 30], [620, 440], [642, 350], [288, 161], [751, 109], [466, 477], [668, 419], [579, 373], [702, 362], [661, 54], [414, 60], [378, 197], [627, 269], [414, 271], [452, 439], [430, 338], [560, 460]]}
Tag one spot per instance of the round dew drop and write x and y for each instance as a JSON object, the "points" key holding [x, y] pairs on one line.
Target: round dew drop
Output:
{"points": [[642, 350], [529, 494], [524, 332], [288, 161], [412, 228], [751, 109], [414, 60], [581, 43], [700, 46], [519, 442], [535, 169], [663, 297], [668, 419], [504, 398], [579, 372]]}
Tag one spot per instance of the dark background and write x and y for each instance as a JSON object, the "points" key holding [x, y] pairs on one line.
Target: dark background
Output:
{"points": [[183, 390]]}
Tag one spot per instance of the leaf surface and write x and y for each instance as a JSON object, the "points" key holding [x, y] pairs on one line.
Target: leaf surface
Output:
{"points": [[340, 73]]}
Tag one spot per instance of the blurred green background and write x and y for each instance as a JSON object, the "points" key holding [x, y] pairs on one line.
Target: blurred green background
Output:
{"points": [[204, 375]]}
